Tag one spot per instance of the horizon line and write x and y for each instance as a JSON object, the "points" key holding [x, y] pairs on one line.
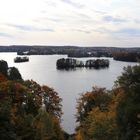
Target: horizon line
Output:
{"points": [[69, 46]]}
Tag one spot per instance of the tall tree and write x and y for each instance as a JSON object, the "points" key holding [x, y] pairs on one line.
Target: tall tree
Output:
{"points": [[14, 74], [129, 107], [7, 130], [98, 97], [45, 125], [3, 67]]}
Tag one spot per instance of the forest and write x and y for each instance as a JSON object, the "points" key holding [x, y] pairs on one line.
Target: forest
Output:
{"points": [[70, 63], [29, 111], [120, 54]]}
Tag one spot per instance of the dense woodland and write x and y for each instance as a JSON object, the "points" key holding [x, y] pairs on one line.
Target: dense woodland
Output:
{"points": [[29, 111], [115, 114], [127, 56], [120, 54], [69, 63]]}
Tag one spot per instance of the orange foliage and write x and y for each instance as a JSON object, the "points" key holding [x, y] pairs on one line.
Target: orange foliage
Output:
{"points": [[2, 78], [79, 135]]}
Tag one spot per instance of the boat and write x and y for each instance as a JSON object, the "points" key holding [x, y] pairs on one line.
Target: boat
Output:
{"points": [[21, 59]]}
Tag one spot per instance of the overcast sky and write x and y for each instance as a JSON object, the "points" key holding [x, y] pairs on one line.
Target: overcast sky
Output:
{"points": [[70, 22]]}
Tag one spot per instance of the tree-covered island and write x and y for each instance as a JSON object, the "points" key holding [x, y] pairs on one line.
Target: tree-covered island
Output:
{"points": [[69, 63]]}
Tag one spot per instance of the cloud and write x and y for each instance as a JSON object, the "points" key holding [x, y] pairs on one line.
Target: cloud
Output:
{"points": [[53, 19], [99, 12], [123, 32], [30, 28], [46, 30], [134, 32], [50, 3], [103, 30], [137, 21], [113, 19], [74, 4], [5, 35], [84, 16], [82, 31]]}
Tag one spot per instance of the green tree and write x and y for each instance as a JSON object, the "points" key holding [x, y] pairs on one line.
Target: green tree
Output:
{"points": [[7, 131], [20, 115], [99, 122], [14, 74], [3, 67], [24, 128], [128, 109], [45, 127]]}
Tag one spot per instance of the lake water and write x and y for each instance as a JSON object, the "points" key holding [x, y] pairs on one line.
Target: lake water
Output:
{"points": [[69, 84]]}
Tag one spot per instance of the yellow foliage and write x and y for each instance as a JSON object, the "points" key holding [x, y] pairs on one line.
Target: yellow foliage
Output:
{"points": [[79, 136]]}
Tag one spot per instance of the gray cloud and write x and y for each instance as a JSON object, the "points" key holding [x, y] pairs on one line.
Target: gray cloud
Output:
{"points": [[83, 16], [52, 19], [80, 30], [134, 32], [30, 28], [2, 34], [103, 30], [113, 19], [74, 4], [125, 32], [99, 12], [137, 21]]}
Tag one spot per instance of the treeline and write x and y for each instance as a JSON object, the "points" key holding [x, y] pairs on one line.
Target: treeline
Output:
{"points": [[121, 54], [114, 114], [28, 111], [127, 56]]}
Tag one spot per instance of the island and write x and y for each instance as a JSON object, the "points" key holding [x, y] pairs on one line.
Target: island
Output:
{"points": [[21, 59], [67, 63], [98, 63]]}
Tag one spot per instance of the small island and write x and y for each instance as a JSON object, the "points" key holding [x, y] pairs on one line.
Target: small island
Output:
{"points": [[98, 63], [69, 63], [21, 59]]}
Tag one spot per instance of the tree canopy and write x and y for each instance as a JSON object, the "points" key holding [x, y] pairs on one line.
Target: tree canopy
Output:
{"points": [[27, 109], [113, 114]]}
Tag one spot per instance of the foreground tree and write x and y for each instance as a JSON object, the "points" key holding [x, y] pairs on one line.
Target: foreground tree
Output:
{"points": [[3, 67], [21, 113], [115, 115], [98, 97], [97, 117], [14, 74], [7, 131], [128, 109], [39, 96], [47, 127], [52, 101]]}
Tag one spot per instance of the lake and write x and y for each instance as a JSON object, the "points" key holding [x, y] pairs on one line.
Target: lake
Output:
{"points": [[69, 84]]}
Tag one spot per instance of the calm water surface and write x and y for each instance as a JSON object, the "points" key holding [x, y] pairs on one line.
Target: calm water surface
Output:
{"points": [[69, 84]]}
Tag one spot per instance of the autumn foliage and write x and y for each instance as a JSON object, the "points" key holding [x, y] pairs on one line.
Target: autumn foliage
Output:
{"points": [[114, 114], [28, 111]]}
